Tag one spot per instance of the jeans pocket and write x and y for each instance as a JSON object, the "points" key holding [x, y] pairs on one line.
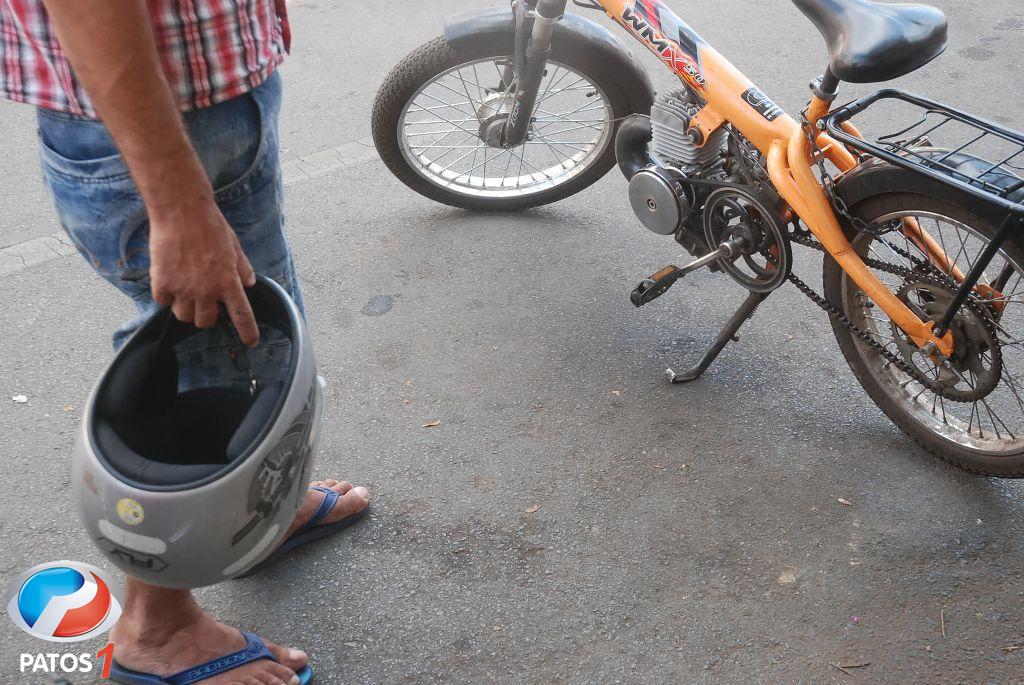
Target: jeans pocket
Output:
{"points": [[79, 149], [261, 170], [100, 170], [95, 197], [98, 216]]}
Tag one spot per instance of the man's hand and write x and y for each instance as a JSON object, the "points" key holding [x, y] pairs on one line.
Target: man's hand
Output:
{"points": [[196, 263]]}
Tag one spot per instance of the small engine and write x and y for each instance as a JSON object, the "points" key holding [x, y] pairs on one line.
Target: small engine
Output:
{"points": [[659, 193], [670, 143]]}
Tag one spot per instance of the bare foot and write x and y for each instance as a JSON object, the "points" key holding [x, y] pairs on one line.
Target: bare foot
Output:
{"points": [[352, 501], [190, 637]]}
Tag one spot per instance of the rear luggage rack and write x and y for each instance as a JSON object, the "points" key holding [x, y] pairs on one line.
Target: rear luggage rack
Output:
{"points": [[935, 139]]}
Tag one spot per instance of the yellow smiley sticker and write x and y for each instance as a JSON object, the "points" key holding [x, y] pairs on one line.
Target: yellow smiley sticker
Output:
{"points": [[130, 512]]}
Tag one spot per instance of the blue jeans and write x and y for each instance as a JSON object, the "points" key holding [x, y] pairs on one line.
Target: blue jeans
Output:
{"points": [[103, 214]]}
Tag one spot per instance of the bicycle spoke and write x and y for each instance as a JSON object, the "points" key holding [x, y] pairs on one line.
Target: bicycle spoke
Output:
{"points": [[449, 147], [568, 130], [457, 109], [421, 108], [437, 133], [558, 142], [448, 151], [440, 137], [449, 88], [990, 415], [466, 88]]}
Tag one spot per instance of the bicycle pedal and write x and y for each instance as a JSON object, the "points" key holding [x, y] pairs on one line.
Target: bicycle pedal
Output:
{"points": [[657, 285]]}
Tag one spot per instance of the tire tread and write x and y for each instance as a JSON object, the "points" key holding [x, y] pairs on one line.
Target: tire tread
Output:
{"points": [[869, 209]]}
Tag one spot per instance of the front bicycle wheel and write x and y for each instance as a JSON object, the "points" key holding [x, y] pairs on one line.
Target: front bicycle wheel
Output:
{"points": [[435, 117], [969, 411]]}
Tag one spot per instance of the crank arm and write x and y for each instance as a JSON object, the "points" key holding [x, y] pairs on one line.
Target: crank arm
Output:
{"points": [[658, 284]]}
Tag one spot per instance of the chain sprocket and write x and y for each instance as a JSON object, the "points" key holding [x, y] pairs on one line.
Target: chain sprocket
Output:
{"points": [[923, 272], [737, 212], [974, 335]]}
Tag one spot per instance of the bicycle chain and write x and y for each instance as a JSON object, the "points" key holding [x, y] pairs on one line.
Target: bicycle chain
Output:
{"points": [[841, 208], [940, 279], [924, 270]]}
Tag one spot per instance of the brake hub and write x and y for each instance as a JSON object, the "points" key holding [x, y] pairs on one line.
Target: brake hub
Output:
{"points": [[492, 113], [975, 367]]}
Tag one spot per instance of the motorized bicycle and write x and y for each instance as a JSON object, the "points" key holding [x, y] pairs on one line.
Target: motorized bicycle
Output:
{"points": [[921, 228]]}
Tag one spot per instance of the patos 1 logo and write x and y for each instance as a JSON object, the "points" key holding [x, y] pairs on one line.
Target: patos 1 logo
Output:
{"points": [[63, 601]]}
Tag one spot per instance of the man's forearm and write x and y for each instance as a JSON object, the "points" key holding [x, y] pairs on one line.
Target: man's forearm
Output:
{"points": [[196, 261], [112, 49]]}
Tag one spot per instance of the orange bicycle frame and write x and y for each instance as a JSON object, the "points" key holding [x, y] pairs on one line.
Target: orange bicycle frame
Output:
{"points": [[727, 96]]}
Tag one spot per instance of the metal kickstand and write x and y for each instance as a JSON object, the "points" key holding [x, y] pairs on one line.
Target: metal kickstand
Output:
{"points": [[728, 333]]}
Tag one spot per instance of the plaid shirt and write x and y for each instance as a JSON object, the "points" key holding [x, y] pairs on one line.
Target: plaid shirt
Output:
{"points": [[210, 50]]}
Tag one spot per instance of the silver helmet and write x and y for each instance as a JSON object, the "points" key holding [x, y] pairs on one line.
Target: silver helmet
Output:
{"points": [[186, 477]]}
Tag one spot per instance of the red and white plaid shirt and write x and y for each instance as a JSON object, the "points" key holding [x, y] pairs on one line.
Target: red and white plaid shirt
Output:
{"points": [[211, 51]]}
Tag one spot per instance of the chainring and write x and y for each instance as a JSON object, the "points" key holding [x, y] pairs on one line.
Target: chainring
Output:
{"points": [[735, 212]]}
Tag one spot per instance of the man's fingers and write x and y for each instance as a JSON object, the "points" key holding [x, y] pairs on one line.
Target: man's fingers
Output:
{"points": [[245, 270], [242, 316], [184, 310], [206, 314], [161, 296]]}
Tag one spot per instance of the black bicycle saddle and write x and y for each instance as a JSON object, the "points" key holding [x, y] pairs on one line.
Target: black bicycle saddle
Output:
{"points": [[871, 42]]}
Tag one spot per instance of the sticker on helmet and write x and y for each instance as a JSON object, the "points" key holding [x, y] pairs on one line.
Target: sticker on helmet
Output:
{"points": [[126, 538], [280, 470], [146, 562], [130, 511]]}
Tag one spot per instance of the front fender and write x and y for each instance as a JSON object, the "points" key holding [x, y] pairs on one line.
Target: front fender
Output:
{"points": [[594, 45]]}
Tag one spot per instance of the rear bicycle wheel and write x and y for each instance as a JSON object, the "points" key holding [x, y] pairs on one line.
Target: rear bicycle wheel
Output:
{"points": [[433, 113], [971, 413]]}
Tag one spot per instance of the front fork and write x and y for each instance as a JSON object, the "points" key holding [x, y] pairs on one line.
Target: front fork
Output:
{"points": [[530, 63]]}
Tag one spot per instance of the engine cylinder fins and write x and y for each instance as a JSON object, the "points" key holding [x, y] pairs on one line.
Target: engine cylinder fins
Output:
{"points": [[670, 140], [658, 200]]}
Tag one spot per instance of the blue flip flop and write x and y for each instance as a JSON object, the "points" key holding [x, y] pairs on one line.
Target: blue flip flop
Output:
{"points": [[311, 530], [255, 649]]}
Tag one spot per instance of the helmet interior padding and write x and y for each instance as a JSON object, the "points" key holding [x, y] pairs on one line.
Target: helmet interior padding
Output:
{"points": [[154, 434], [194, 453]]}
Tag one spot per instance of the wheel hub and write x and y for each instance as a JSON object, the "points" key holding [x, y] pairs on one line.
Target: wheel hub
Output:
{"points": [[492, 113], [974, 369]]}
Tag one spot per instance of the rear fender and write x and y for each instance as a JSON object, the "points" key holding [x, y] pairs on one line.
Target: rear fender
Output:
{"points": [[878, 177]]}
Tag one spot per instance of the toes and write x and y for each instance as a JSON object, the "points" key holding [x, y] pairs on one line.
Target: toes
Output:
{"points": [[247, 680], [339, 486], [352, 502], [293, 659], [276, 674]]}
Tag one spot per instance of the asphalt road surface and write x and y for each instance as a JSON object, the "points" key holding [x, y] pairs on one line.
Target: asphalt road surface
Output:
{"points": [[573, 518]]}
